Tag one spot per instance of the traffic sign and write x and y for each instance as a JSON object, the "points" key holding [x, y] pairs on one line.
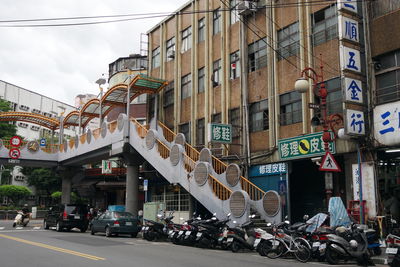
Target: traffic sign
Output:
{"points": [[15, 141], [14, 153], [329, 163], [43, 142], [145, 184]]}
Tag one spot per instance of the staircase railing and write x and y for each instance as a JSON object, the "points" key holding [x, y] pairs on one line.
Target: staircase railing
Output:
{"points": [[219, 189], [254, 191]]}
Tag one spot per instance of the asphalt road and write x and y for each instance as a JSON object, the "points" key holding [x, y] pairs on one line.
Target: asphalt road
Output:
{"points": [[33, 246]]}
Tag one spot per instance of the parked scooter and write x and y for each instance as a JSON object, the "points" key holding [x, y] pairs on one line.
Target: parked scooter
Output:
{"points": [[21, 219], [157, 230], [348, 243], [210, 231]]}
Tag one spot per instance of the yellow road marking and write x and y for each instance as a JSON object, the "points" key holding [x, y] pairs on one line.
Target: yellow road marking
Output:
{"points": [[76, 253]]}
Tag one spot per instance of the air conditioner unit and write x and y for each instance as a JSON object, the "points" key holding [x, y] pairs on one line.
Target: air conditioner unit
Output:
{"points": [[246, 7], [171, 54]]}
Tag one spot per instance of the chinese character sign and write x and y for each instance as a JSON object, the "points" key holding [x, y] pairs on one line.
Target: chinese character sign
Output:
{"points": [[387, 124], [368, 186], [305, 146], [268, 169], [354, 122], [220, 133], [350, 59], [349, 5], [348, 29], [353, 90]]}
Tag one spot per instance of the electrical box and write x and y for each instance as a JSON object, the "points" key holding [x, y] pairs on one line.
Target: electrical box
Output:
{"points": [[151, 209]]}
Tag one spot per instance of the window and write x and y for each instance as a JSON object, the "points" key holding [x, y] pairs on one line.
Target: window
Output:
{"points": [[216, 21], [216, 118], [258, 116], [186, 39], [324, 26], [185, 129], [234, 13], [235, 65], [170, 49], [388, 78], [258, 55], [169, 94], [200, 132], [155, 59], [216, 78], [201, 77], [201, 30], [186, 86], [290, 108], [334, 99], [380, 8], [288, 41], [234, 120]]}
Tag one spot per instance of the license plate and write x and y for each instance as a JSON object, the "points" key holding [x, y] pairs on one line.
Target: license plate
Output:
{"points": [[391, 250], [77, 217], [256, 242], [188, 232], [180, 232], [199, 234], [128, 223], [316, 244], [322, 247], [229, 240]]}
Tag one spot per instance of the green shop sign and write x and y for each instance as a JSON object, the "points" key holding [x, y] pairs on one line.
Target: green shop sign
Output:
{"points": [[304, 146], [220, 133]]}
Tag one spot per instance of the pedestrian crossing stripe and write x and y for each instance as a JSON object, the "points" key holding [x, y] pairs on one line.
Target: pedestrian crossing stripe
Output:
{"points": [[329, 163]]}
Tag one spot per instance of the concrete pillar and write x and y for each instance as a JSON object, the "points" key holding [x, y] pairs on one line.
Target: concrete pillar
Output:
{"points": [[66, 189], [132, 189]]}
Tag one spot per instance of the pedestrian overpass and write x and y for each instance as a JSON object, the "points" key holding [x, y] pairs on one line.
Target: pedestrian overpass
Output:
{"points": [[217, 186]]}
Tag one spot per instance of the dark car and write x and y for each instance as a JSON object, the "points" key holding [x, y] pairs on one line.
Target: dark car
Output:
{"points": [[115, 223], [67, 217]]}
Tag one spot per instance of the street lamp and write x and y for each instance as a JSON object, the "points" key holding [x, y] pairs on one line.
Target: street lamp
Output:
{"points": [[328, 122]]}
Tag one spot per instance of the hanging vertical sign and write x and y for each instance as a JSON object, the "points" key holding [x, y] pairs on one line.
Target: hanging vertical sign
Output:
{"points": [[348, 5], [106, 167], [354, 122], [348, 29], [368, 186], [353, 90], [350, 59]]}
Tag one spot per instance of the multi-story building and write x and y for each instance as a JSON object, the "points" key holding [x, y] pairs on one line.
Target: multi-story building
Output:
{"points": [[236, 62]]}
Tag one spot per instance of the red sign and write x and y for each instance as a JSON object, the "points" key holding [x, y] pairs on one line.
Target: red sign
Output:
{"points": [[15, 141], [329, 163], [14, 153]]}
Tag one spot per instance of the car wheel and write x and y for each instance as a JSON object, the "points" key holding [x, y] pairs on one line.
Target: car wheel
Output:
{"points": [[108, 232], [133, 235], [92, 232], [58, 227], [45, 225]]}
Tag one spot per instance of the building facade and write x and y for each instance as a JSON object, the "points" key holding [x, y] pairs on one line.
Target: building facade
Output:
{"points": [[236, 62]]}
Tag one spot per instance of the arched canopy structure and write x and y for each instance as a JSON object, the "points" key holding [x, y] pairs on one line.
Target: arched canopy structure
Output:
{"points": [[114, 97], [35, 118]]}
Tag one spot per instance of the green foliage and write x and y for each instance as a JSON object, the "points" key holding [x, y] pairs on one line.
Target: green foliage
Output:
{"points": [[14, 192], [75, 198], [43, 179], [7, 130]]}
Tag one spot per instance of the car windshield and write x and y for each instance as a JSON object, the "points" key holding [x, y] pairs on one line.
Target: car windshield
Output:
{"points": [[124, 215], [75, 209]]}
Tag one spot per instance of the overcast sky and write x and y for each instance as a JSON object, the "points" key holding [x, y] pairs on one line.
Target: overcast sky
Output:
{"points": [[62, 62]]}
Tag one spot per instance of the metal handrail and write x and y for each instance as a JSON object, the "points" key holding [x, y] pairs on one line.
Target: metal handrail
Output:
{"points": [[169, 135], [254, 191]]}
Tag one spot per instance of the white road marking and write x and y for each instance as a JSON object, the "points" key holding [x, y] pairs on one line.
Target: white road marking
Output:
{"points": [[14, 231], [19, 228], [2, 228], [36, 228]]}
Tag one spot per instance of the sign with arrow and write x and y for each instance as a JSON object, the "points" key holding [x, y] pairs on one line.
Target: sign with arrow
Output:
{"points": [[329, 163]]}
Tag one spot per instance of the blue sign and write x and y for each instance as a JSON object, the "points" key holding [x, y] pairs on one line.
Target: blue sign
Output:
{"points": [[268, 169], [43, 142], [282, 189], [145, 184]]}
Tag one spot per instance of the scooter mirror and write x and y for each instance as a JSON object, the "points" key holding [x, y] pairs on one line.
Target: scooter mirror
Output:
{"points": [[198, 218], [214, 218]]}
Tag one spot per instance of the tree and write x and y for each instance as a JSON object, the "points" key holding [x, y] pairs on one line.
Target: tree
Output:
{"points": [[7, 130], [14, 192], [43, 179], [74, 198]]}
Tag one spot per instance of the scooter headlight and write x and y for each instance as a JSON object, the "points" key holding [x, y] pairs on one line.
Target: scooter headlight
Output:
{"points": [[353, 244]]}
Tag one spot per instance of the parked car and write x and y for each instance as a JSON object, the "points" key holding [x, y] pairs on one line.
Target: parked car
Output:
{"points": [[67, 217], [115, 223]]}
